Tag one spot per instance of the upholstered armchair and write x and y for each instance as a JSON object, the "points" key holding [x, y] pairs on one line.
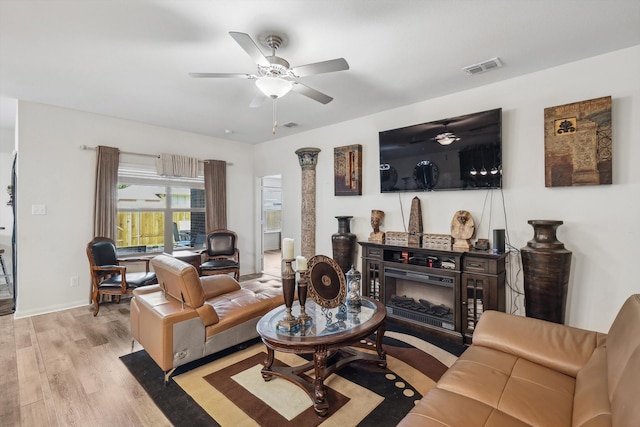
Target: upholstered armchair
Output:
{"points": [[108, 276], [222, 255]]}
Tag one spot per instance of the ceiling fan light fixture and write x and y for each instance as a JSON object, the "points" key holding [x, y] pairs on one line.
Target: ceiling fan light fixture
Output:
{"points": [[274, 87], [446, 138]]}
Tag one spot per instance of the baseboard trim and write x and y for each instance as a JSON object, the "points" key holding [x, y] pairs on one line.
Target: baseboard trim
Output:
{"points": [[21, 314]]}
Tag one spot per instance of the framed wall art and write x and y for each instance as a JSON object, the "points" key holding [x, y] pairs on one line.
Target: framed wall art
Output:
{"points": [[577, 143], [347, 167]]}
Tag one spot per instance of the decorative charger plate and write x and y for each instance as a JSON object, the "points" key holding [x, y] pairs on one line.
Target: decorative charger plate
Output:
{"points": [[327, 285]]}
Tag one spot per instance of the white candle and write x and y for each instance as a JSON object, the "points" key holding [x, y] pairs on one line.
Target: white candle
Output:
{"points": [[287, 248], [301, 263]]}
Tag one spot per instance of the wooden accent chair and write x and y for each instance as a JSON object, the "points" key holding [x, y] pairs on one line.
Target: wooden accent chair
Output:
{"points": [[108, 276], [222, 255]]}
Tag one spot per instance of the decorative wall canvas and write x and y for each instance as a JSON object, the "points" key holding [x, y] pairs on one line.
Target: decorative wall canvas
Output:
{"points": [[347, 164], [577, 143]]}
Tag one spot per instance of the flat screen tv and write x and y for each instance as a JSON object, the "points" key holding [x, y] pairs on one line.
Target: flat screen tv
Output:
{"points": [[458, 153]]}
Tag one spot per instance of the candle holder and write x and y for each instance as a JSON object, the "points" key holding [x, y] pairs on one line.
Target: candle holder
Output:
{"points": [[288, 323], [303, 282]]}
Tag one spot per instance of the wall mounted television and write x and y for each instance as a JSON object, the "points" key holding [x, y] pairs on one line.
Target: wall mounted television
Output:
{"points": [[458, 153]]}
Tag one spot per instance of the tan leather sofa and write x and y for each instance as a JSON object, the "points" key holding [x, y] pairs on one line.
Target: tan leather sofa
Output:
{"points": [[186, 317], [526, 372]]}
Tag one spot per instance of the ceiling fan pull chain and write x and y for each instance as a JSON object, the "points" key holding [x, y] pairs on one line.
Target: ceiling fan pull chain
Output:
{"points": [[275, 115]]}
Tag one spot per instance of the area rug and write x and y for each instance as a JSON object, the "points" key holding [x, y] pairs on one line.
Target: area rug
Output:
{"points": [[227, 389]]}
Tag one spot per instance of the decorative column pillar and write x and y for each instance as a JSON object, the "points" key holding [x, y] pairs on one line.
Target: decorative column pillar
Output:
{"points": [[308, 158]]}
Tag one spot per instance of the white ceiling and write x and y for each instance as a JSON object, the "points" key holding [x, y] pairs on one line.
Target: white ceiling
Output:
{"points": [[130, 59]]}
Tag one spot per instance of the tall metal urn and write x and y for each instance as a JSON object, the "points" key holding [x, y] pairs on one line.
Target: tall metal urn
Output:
{"points": [[344, 244], [546, 265]]}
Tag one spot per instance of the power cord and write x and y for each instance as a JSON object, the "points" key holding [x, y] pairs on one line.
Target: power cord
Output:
{"points": [[513, 253], [402, 212]]}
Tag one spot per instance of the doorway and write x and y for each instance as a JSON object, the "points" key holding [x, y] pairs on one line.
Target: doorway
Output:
{"points": [[271, 224]]}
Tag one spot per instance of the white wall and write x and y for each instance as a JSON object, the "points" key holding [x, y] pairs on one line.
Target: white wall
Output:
{"points": [[54, 171], [600, 224], [599, 221]]}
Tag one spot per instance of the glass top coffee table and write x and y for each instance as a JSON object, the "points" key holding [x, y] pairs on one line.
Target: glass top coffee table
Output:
{"points": [[328, 338]]}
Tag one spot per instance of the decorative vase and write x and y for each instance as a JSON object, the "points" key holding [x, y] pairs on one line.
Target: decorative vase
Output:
{"points": [[546, 265], [344, 244]]}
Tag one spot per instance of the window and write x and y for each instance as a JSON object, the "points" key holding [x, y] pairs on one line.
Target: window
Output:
{"points": [[158, 214]]}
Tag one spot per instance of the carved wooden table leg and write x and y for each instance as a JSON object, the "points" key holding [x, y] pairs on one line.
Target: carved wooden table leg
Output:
{"points": [[320, 404], [382, 355], [268, 361]]}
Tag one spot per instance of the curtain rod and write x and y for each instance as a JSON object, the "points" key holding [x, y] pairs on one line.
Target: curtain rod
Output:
{"points": [[156, 156]]}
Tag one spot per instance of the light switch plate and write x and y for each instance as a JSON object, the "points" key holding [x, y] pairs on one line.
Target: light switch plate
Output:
{"points": [[38, 209]]}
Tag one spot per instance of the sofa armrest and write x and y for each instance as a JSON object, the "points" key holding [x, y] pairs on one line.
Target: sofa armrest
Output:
{"points": [[153, 320], [217, 285], [559, 347], [208, 315]]}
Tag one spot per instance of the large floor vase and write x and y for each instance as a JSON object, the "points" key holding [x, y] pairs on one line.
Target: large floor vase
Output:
{"points": [[546, 265], [344, 244]]}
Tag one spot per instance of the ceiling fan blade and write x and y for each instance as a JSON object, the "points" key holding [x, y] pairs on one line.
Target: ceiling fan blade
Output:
{"points": [[225, 75], [311, 93], [321, 67], [246, 42]]}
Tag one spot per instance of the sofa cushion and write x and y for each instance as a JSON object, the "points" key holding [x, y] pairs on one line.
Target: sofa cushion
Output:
{"points": [[251, 301], [524, 390], [538, 395], [442, 408], [555, 346], [480, 373], [218, 285]]}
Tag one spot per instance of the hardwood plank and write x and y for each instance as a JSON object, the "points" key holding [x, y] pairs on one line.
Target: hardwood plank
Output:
{"points": [[35, 414], [9, 397], [54, 351], [22, 331], [28, 377], [63, 369], [72, 406], [10, 408]]}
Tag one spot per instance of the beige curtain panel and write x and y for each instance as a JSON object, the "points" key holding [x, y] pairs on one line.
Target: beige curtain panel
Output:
{"points": [[105, 214], [177, 165], [215, 187]]}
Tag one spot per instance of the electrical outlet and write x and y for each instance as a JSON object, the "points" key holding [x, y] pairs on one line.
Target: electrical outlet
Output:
{"points": [[74, 281]]}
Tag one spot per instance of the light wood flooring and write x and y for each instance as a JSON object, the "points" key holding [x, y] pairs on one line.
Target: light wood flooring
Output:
{"points": [[63, 369], [273, 263]]}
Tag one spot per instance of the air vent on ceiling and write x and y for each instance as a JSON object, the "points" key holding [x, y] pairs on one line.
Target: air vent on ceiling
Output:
{"points": [[290, 124], [487, 65]]}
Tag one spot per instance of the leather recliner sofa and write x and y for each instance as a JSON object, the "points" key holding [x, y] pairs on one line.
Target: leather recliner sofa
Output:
{"points": [[521, 371], [186, 317]]}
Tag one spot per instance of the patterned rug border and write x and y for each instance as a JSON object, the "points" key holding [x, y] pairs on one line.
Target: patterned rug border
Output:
{"points": [[177, 405]]}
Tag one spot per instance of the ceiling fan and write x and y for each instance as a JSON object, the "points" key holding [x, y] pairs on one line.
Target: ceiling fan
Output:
{"points": [[446, 137], [275, 77]]}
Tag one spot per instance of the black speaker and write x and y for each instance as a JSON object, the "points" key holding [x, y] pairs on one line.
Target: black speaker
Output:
{"points": [[498, 241]]}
